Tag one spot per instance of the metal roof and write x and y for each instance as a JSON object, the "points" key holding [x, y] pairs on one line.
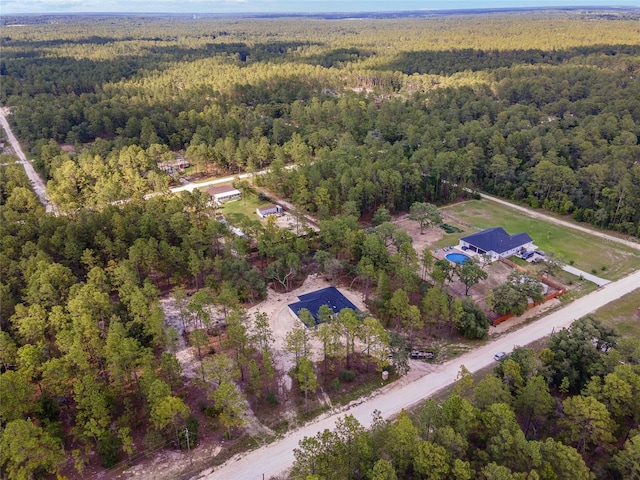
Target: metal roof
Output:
{"points": [[497, 240], [329, 296]]}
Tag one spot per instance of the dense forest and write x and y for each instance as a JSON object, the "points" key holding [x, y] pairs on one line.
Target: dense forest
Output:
{"points": [[380, 116], [401, 109]]}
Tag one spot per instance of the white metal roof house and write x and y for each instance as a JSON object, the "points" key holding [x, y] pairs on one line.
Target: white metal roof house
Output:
{"points": [[224, 193], [495, 242], [264, 212]]}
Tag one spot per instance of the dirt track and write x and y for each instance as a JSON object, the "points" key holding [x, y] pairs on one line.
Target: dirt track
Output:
{"points": [[36, 181], [548, 218]]}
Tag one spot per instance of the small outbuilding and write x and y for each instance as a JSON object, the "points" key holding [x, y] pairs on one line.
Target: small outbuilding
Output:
{"points": [[224, 193], [495, 242], [264, 212]]}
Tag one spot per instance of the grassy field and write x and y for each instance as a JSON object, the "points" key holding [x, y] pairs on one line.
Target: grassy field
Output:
{"points": [[235, 210], [623, 314], [587, 252]]}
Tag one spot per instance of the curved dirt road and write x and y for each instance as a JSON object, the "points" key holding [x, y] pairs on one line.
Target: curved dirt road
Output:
{"points": [[36, 182], [277, 457]]}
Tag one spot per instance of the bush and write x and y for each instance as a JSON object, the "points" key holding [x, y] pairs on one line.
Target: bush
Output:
{"points": [[347, 376], [474, 323], [335, 384], [47, 409], [154, 440], [192, 425], [271, 398], [109, 449], [210, 411]]}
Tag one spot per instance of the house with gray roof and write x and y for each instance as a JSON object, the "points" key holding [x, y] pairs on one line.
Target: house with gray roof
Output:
{"points": [[495, 242], [264, 212]]}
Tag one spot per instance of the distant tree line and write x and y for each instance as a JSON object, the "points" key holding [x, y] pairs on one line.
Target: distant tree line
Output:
{"points": [[554, 127]]}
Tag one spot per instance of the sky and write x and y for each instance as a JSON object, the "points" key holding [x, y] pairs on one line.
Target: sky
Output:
{"points": [[9, 7]]}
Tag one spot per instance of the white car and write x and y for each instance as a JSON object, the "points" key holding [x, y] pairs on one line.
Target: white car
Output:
{"points": [[498, 356]]}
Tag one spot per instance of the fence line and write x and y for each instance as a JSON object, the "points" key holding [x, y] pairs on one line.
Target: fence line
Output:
{"points": [[560, 289]]}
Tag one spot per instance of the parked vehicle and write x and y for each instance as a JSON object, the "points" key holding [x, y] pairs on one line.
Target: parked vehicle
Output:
{"points": [[421, 354]]}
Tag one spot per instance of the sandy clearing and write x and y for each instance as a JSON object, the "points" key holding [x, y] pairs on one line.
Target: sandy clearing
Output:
{"points": [[282, 320]]}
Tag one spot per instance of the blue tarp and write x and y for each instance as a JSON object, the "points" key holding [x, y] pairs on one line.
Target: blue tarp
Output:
{"points": [[329, 296]]}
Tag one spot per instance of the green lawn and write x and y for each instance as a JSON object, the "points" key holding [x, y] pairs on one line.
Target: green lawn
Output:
{"points": [[235, 210], [623, 314], [587, 252]]}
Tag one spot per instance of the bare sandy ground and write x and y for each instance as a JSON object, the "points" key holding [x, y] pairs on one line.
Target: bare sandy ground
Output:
{"points": [[282, 320], [420, 240]]}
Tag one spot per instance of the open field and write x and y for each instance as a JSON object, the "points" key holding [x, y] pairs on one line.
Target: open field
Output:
{"points": [[245, 206], [623, 314], [586, 252]]}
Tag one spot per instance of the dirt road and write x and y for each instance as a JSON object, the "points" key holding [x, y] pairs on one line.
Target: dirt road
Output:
{"points": [[37, 183], [189, 187], [277, 457], [548, 218]]}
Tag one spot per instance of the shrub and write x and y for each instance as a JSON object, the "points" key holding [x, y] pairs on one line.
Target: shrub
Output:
{"points": [[109, 449], [335, 384], [210, 411], [191, 424], [347, 376], [271, 398], [153, 440], [47, 408]]}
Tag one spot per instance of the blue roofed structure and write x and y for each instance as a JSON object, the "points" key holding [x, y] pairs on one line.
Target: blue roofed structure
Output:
{"points": [[329, 296], [497, 243]]}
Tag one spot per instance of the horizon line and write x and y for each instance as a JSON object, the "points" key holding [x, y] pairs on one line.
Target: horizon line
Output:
{"points": [[322, 13]]}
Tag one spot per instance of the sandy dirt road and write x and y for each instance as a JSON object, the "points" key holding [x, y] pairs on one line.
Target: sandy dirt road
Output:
{"points": [[275, 458], [36, 182], [536, 214]]}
